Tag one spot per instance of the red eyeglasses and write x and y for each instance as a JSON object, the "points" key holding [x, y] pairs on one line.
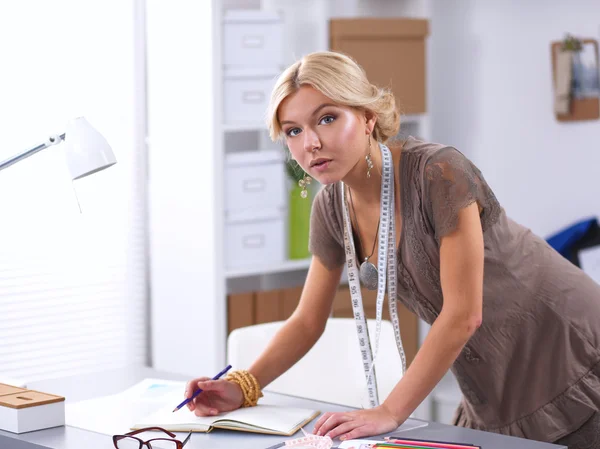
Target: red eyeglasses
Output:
{"points": [[128, 441]]}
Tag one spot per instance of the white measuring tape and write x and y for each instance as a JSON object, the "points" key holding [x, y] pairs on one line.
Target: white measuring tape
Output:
{"points": [[386, 267]]}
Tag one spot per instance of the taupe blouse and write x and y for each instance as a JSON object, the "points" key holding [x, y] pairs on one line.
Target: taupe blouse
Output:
{"points": [[532, 369]]}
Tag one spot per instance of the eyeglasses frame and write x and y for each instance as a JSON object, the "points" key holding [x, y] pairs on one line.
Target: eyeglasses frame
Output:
{"points": [[180, 444]]}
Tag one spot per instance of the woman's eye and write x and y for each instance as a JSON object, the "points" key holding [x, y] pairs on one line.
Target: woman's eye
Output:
{"points": [[327, 119], [293, 132]]}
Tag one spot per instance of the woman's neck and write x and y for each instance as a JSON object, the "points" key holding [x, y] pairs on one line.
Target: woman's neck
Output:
{"points": [[367, 190]]}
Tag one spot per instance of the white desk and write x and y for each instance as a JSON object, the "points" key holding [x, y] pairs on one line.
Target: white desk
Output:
{"points": [[90, 386]]}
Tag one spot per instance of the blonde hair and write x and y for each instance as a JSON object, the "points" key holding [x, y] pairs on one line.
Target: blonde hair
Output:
{"points": [[340, 78]]}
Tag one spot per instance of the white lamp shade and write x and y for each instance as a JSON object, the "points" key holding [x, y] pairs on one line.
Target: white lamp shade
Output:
{"points": [[86, 150]]}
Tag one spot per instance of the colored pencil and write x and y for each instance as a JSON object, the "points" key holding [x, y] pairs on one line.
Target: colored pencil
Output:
{"points": [[429, 444], [422, 444], [433, 443]]}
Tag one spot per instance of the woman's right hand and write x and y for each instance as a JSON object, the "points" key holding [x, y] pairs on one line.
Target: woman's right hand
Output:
{"points": [[217, 396]]}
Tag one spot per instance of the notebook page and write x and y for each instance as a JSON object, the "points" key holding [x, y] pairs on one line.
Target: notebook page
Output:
{"points": [[271, 417], [182, 419]]}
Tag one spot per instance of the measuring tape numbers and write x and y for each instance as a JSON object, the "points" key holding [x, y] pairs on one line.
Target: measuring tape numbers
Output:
{"points": [[386, 268]]}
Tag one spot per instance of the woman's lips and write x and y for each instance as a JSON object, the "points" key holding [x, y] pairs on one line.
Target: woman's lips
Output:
{"points": [[321, 166]]}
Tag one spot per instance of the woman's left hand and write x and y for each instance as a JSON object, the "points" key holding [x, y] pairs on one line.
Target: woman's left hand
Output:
{"points": [[356, 424]]}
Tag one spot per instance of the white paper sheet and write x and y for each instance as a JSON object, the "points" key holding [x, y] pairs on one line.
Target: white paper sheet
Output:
{"points": [[113, 415]]}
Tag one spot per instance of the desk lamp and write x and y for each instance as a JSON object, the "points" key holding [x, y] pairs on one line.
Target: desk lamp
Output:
{"points": [[86, 150]]}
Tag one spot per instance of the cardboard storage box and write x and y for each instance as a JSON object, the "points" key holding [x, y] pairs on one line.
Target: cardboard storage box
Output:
{"points": [[246, 94], [255, 180], [260, 241], [392, 52], [252, 38]]}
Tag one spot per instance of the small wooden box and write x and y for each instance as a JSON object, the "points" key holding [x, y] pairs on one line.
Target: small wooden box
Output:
{"points": [[23, 410]]}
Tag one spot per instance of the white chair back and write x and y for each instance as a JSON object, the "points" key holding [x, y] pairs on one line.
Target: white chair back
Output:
{"points": [[332, 370]]}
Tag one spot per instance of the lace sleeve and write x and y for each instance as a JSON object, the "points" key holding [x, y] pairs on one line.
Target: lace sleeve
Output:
{"points": [[325, 238], [452, 182]]}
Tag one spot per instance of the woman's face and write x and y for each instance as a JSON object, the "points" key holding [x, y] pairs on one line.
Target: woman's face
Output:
{"points": [[326, 139]]}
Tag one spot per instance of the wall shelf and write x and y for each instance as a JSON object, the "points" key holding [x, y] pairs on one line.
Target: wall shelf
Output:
{"points": [[412, 118], [240, 127], [257, 270]]}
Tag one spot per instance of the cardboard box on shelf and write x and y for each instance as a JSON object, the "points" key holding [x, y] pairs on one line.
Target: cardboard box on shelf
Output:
{"points": [[391, 51]]}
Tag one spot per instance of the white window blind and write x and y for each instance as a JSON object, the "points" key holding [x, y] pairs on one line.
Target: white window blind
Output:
{"points": [[72, 285]]}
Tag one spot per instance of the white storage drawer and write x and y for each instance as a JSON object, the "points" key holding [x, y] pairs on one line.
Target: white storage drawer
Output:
{"points": [[252, 38], [257, 242], [254, 181], [246, 94]]}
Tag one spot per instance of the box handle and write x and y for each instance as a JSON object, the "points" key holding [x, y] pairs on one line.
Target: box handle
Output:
{"points": [[252, 41], [254, 185], [254, 241], [255, 96]]}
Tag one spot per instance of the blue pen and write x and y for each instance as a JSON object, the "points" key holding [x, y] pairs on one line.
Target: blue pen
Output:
{"points": [[227, 368]]}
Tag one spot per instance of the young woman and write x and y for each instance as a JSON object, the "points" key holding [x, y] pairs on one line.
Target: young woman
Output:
{"points": [[518, 324]]}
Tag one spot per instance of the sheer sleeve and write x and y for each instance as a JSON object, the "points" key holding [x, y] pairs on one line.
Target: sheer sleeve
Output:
{"points": [[325, 238], [451, 183]]}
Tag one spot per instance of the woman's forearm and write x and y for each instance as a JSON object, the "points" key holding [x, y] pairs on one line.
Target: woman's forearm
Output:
{"points": [[440, 349], [288, 346], [302, 330]]}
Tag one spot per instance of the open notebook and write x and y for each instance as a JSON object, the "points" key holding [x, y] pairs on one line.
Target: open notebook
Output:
{"points": [[268, 419]]}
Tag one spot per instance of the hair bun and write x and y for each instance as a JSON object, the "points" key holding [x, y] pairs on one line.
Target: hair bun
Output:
{"points": [[388, 117]]}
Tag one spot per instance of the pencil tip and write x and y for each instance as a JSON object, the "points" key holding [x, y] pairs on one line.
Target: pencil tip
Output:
{"points": [[174, 410]]}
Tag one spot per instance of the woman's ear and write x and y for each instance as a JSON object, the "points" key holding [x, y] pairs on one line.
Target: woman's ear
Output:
{"points": [[370, 121]]}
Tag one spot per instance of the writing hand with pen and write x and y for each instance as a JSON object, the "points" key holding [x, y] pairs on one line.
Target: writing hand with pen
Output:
{"points": [[209, 397]]}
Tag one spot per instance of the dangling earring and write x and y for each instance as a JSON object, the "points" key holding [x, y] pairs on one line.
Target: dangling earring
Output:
{"points": [[369, 159], [303, 183]]}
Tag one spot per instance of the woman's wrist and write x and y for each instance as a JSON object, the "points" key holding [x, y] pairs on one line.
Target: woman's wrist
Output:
{"points": [[397, 411], [249, 385]]}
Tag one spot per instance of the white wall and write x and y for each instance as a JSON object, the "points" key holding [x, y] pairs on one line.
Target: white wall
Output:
{"points": [[491, 97]]}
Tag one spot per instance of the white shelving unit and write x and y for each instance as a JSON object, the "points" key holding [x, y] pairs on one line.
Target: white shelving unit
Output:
{"points": [[306, 30], [240, 127], [289, 265], [189, 142]]}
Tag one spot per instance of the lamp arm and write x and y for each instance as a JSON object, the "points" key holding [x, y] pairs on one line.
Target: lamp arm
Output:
{"points": [[52, 140]]}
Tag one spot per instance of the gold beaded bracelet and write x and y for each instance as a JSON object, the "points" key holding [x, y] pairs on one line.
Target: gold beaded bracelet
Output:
{"points": [[248, 384]]}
